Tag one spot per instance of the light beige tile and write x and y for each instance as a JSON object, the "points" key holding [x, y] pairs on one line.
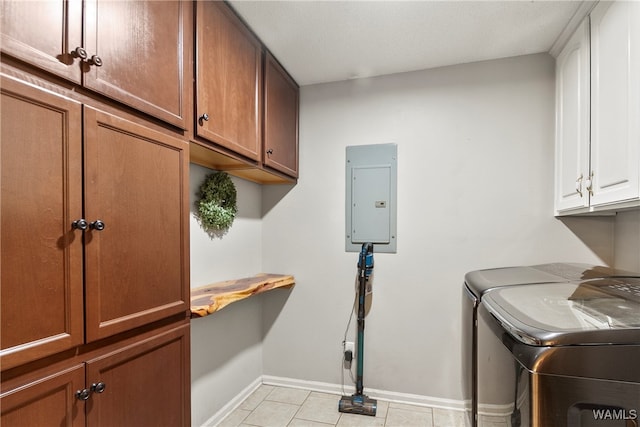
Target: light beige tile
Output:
{"points": [[294, 396], [448, 418], [382, 408], [306, 423], [335, 397], [272, 414], [235, 418], [353, 420], [319, 409], [408, 407], [255, 398], [403, 417]]}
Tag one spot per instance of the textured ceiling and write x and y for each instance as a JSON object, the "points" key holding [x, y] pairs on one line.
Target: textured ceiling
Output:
{"points": [[322, 41]]}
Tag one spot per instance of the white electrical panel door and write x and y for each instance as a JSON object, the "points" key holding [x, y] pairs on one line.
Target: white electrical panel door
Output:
{"points": [[371, 183], [370, 194]]}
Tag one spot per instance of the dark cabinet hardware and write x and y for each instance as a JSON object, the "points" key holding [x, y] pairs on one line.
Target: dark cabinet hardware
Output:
{"points": [[203, 118], [98, 387], [270, 151], [80, 53], [80, 224], [95, 60], [83, 394], [97, 225]]}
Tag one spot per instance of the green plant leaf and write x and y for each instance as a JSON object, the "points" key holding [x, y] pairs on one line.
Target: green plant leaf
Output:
{"points": [[217, 204]]}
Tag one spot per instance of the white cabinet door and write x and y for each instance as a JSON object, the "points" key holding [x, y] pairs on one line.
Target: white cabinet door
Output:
{"points": [[572, 122], [615, 102]]}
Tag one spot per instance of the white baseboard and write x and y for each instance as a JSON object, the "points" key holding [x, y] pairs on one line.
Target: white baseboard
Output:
{"points": [[233, 403], [390, 396]]}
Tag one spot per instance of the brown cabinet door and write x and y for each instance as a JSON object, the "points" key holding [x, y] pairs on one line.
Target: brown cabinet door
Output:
{"points": [[228, 81], [136, 183], [45, 402], [280, 119], [145, 384], [41, 180], [142, 47], [44, 33]]}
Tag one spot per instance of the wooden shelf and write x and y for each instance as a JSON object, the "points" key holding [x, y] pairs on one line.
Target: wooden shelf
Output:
{"points": [[208, 299]]}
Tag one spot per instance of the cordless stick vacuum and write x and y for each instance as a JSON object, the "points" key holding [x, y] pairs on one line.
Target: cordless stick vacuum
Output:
{"points": [[358, 403]]}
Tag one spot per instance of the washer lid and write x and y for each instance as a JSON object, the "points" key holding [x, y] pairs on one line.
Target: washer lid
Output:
{"points": [[602, 311], [480, 281]]}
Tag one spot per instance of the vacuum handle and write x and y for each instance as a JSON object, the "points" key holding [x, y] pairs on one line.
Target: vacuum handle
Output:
{"points": [[365, 260]]}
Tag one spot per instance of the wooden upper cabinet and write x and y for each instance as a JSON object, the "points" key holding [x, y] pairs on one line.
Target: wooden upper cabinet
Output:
{"points": [[45, 34], [136, 184], [135, 52], [228, 81], [142, 47], [41, 181], [280, 119]]}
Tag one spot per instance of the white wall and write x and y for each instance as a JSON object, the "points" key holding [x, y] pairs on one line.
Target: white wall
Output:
{"points": [[226, 348], [475, 171], [627, 241]]}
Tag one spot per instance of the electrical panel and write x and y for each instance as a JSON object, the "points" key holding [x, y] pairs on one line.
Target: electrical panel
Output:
{"points": [[371, 187]]}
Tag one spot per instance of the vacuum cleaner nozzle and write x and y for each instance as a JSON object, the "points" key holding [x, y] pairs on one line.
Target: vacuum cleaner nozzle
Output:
{"points": [[358, 404]]}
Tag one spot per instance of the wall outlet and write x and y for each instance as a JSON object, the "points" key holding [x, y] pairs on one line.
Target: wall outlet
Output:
{"points": [[348, 354], [349, 345]]}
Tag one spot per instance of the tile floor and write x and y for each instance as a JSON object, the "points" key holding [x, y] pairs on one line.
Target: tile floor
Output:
{"points": [[271, 406]]}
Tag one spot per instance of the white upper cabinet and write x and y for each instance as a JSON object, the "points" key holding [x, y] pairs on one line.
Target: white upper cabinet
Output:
{"points": [[572, 121], [615, 102], [598, 113]]}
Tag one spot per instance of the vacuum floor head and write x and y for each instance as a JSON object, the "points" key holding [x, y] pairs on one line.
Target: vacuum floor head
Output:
{"points": [[358, 404]]}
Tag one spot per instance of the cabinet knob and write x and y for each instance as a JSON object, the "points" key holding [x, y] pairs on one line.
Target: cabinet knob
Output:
{"points": [[203, 118], [270, 151], [96, 60], [98, 387], [83, 394], [97, 225], [80, 53], [80, 224]]}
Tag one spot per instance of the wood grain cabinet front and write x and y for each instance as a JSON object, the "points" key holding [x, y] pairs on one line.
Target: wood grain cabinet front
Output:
{"points": [[45, 400], [141, 382], [136, 184], [41, 195], [135, 52], [94, 224], [228, 81], [280, 119]]}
